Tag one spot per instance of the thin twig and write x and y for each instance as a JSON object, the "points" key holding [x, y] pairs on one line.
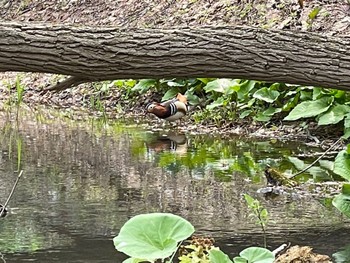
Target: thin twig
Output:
{"points": [[11, 193], [319, 158]]}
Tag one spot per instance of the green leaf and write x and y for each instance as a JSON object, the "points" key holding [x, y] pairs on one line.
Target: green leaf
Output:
{"points": [[314, 12], [343, 255], [245, 88], [220, 85], [308, 109], [266, 94], [218, 103], [257, 255], [133, 260], [261, 117], [217, 256], [334, 115], [299, 164], [342, 165], [250, 200], [245, 113], [239, 260], [152, 236], [171, 93], [144, 84], [271, 111], [342, 201]]}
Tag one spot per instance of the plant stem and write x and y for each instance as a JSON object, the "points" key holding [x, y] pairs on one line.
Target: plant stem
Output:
{"points": [[319, 158], [11, 193]]}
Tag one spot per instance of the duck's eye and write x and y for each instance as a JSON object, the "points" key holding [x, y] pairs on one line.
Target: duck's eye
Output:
{"points": [[150, 107]]}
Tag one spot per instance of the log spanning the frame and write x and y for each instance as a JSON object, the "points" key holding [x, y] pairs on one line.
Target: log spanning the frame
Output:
{"points": [[95, 54]]}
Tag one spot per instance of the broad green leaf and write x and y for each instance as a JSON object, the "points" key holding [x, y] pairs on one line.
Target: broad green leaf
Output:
{"points": [[308, 109], [271, 111], [342, 201], [316, 93], [192, 98], [319, 174], [257, 255], [171, 93], [261, 117], [217, 256], [343, 255], [327, 164], [176, 83], [205, 80], [250, 200], [220, 85], [299, 164], [346, 133], [218, 103], [342, 165], [291, 103], [152, 236], [239, 260], [266, 94], [245, 113], [133, 260], [144, 84], [245, 88], [334, 115], [346, 189]]}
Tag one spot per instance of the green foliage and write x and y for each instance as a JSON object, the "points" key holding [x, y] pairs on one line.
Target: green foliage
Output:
{"points": [[149, 237], [255, 255], [217, 256], [342, 201], [259, 212], [152, 236], [342, 164], [226, 101], [308, 109]]}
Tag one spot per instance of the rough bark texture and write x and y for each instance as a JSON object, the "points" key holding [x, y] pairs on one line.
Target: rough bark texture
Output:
{"points": [[233, 52]]}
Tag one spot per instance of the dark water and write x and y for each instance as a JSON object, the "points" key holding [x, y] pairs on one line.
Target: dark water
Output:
{"points": [[83, 180]]}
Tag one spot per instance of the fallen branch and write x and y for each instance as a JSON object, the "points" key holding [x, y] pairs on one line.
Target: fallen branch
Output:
{"points": [[11, 193], [319, 158], [67, 83]]}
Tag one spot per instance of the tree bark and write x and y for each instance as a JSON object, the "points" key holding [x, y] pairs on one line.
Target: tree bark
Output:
{"points": [[93, 54]]}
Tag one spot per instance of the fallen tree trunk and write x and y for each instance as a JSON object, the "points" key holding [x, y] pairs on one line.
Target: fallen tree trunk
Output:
{"points": [[94, 54]]}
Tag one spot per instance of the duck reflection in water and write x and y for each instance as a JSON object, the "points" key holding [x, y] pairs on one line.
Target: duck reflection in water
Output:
{"points": [[172, 142]]}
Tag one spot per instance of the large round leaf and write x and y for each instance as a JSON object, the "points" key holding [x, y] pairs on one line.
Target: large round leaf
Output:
{"points": [[342, 201], [342, 165], [152, 236], [308, 109], [257, 255]]}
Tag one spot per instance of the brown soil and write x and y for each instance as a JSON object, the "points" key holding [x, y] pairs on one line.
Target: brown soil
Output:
{"points": [[333, 16]]}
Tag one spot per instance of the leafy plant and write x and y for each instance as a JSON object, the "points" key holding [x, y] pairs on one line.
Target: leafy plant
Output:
{"points": [[342, 200], [152, 236], [342, 163], [259, 212], [255, 255], [155, 236]]}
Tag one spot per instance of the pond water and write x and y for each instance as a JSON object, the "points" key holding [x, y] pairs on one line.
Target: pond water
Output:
{"points": [[83, 180]]}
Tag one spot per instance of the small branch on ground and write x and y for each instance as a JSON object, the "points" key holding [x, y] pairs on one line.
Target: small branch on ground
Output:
{"points": [[319, 158], [69, 82], [11, 193]]}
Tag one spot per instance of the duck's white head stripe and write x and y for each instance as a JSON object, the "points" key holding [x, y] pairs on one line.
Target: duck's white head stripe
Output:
{"points": [[173, 109]]}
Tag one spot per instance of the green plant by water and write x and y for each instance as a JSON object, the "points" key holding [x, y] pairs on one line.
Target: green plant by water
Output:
{"points": [[157, 237], [259, 212]]}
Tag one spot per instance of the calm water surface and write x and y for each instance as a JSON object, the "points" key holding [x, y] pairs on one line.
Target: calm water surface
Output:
{"points": [[83, 180]]}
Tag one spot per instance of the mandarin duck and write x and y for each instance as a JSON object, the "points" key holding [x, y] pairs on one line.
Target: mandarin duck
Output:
{"points": [[170, 110]]}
